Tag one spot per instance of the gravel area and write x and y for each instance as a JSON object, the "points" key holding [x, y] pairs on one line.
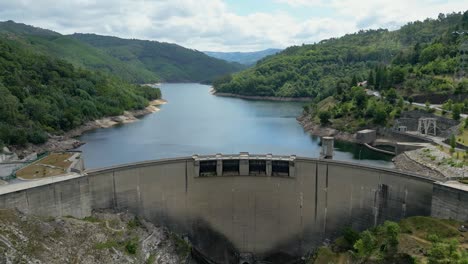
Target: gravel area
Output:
{"points": [[432, 161]]}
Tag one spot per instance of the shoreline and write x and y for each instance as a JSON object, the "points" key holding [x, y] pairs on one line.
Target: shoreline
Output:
{"points": [[263, 98], [68, 140], [317, 130]]}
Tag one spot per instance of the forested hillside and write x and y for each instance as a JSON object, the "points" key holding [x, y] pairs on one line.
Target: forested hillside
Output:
{"points": [[134, 61], [40, 95], [170, 62], [78, 53], [420, 58]]}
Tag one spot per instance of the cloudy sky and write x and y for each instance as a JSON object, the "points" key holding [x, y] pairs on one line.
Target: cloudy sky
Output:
{"points": [[223, 25]]}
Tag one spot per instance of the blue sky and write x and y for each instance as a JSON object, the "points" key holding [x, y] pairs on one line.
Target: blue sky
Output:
{"points": [[224, 25]]}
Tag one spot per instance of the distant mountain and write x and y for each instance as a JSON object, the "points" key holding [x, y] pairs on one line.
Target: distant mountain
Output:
{"points": [[246, 58], [135, 61]]}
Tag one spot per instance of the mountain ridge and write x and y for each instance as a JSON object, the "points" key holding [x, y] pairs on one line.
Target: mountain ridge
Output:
{"points": [[176, 63], [246, 58]]}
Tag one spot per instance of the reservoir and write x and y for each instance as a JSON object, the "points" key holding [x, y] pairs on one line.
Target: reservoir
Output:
{"points": [[196, 122]]}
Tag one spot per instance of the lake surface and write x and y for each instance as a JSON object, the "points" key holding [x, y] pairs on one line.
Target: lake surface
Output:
{"points": [[196, 122]]}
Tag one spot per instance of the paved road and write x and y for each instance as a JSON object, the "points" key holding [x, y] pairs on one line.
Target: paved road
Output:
{"points": [[436, 107]]}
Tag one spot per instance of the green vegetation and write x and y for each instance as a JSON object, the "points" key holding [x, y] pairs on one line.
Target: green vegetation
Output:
{"points": [[135, 61], [131, 246], [41, 95], [134, 223], [182, 248], [413, 240], [170, 62], [420, 58]]}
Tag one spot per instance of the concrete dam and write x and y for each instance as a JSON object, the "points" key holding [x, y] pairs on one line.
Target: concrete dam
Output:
{"points": [[229, 206]]}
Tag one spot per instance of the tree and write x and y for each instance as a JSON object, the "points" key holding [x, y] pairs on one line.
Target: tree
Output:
{"points": [[381, 114], [453, 143], [392, 231], [456, 111], [366, 245], [324, 117], [432, 52], [391, 96], [351, 235], [354, 81], [360, 97], [397, 75], [371, 78]]}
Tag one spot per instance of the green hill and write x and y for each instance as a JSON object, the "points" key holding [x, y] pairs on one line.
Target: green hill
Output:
{"points": [[134, 61], [420, 58], [40, 94], [171, 62]]}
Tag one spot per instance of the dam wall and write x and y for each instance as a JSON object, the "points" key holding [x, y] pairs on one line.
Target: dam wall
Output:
{"points": [[282, 211], [450, 201]]}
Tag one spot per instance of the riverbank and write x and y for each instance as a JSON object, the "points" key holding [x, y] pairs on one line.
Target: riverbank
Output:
{"points": [[68, 140], [265, 98], [317, 130]]}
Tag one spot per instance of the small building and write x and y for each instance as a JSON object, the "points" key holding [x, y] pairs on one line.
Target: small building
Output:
{"points": [[402, 128], [366, 136]]}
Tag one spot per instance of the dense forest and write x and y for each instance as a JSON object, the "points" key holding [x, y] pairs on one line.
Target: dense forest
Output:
{"points": [[420, 58], [41, 95], [134, 61], [170, 62]]}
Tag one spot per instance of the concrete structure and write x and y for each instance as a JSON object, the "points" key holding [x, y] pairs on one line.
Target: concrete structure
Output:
{"points": [[427, 126], [260, 206], [366, 136], [327, 148], [450, 200], [402, 128]]}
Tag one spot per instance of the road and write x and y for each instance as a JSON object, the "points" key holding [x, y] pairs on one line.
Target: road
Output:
{"points": [[436, 107]]}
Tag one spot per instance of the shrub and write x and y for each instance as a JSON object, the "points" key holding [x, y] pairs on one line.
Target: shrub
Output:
{"points": [[324, 117], [131, 247]]}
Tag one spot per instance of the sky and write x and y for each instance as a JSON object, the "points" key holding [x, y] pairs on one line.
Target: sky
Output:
{"points": [[229, 25]]}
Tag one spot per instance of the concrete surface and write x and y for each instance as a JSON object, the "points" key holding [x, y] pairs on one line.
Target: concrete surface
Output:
{"points": [[258, 214]]}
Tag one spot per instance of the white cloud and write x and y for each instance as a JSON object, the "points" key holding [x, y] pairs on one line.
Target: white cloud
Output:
{"points": [[211, 25]]}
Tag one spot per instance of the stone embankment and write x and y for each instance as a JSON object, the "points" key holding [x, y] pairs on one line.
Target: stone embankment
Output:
{"points": [[432, 162], [68, 141]]}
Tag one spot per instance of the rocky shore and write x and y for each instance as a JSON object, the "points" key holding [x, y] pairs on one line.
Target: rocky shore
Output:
{"points": [[318, 130], [265, 98], [68, 140]]}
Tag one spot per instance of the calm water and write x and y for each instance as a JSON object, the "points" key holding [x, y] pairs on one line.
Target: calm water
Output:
{"points": [[196, 122]]}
